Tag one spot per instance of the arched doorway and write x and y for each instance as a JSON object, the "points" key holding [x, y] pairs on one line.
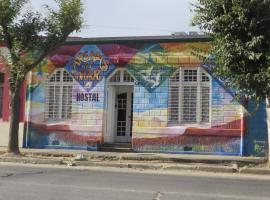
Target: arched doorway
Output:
{"points": [[119, 107]]}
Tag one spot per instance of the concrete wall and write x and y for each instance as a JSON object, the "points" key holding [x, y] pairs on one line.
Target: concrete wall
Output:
{"points": [[4, 128]]}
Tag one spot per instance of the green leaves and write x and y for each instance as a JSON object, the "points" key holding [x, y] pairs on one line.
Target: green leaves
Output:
{"points": [[65, 20], [31, 37], [241, 42], [10, 10]]}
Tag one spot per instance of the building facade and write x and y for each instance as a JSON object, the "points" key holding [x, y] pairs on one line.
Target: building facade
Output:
{"points": [[151, 92]]}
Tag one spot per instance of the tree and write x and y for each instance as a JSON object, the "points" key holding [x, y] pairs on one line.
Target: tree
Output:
{"points": [[29, 38], [241, 43]]}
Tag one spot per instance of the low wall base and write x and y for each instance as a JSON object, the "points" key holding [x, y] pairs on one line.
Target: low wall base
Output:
{"points": [[4, 128]]}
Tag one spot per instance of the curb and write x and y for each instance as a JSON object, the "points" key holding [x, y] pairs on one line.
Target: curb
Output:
{"points": [[259, 171], [118, 165], [214, 169], [192, 160], [155, 166], [31, 160], [217, 169]]}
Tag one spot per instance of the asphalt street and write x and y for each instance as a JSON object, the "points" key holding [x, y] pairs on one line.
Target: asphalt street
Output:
{"points": [[31, 182]]}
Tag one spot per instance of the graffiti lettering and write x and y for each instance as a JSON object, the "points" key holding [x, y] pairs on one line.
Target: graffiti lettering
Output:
{"points": [[90, 66], [89, 76]]}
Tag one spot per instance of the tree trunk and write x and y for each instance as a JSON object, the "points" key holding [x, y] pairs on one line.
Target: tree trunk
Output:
{"points": [[15, 102]]}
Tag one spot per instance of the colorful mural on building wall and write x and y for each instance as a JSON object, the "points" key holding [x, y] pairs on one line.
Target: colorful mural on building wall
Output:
{"points": [[152, 65], [89, 66]]}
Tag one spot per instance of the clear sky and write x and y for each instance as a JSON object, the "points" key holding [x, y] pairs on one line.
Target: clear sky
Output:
{"points": [[108, 18]]}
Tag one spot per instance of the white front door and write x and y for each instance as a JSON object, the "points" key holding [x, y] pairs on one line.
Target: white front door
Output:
{"points": [[123, 114]]}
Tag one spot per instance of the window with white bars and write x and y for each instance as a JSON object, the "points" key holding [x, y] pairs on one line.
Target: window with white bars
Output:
{"points": [[189, 99], [59, 95]]}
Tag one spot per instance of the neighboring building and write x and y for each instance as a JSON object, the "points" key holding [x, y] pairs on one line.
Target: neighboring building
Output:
{"points": [[148, 91], [4, 105]]}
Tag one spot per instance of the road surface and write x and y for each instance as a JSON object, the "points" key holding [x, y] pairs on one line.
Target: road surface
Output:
{"points": [[31, 182]]}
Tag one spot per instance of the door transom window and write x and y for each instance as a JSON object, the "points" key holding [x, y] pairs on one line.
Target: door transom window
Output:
{"points": [[121, 76]]}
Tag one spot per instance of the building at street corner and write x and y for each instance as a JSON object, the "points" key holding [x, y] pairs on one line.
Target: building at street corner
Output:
{"points": [[151, 92]]}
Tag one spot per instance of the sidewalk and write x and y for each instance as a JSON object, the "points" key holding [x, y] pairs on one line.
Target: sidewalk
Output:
{"points": [[157, 161]]}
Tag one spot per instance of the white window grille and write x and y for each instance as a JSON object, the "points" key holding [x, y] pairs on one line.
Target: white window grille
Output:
{"points": [[121, 76], [59, 95], [189, 104], [189, 99]]}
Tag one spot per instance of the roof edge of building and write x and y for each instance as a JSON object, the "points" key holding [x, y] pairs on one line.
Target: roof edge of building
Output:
{"points": [[129, 39]]}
